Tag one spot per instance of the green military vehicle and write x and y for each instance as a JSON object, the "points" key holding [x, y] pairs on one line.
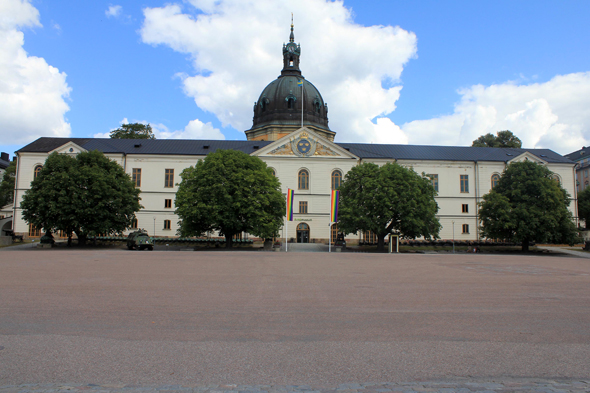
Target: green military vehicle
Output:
{"points": [[140, 240]]}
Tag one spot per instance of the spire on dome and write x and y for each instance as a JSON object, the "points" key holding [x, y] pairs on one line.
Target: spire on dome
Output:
{"points": [[292, 36]]}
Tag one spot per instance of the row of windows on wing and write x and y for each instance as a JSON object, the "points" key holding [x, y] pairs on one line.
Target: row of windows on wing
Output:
{"points": [[303, 179], [135, 176], [464, 181], [290, 101]]}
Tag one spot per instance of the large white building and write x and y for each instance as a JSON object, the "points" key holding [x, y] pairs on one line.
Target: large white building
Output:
{"points": [[290, 133]]}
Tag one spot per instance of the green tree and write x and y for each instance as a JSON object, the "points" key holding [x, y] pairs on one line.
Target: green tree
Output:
{"points": [[501, 139], [7, 184], [527, 205], [387, 199], [230, 192], [133, 131], [87, 194], [584, 206]]}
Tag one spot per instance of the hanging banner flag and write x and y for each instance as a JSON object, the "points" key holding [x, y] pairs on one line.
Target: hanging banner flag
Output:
{"points": [[334, 209], [290, 196], [299, 82]]}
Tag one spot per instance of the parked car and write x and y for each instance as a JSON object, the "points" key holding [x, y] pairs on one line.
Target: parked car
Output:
{"points": [[140, 240]]}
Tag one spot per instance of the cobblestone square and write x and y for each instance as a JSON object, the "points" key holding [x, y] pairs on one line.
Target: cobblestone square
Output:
{"points": [[118, 320]]}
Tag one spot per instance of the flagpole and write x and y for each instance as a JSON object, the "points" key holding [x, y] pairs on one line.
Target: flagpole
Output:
{"points": [[302, 101], [330, 237]]}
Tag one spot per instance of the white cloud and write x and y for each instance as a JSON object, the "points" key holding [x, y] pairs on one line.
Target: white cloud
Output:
{"points": [[32, 93], [236, 46], [195, 129], [114, 11], [554, 114]]}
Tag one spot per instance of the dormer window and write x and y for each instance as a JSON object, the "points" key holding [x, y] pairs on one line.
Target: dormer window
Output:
{"points": [[291, 100]]}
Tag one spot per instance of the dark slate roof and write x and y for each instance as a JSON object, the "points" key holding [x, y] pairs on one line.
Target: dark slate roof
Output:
{"points": [[447, 153], [146, 146], [44, 145], [578, 155], [362, 150]]}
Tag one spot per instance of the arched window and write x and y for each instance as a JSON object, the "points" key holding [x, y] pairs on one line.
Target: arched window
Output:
{"points": [[336, 179], [264, 103], [290, 99], [316, 105], [495, 179], [303, 180], [37, 171], [274, 173], [556, 178]]}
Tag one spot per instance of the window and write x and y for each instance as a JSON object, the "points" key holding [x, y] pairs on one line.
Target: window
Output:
{"points": [[434, 180], [495, 179], [334, 233], [465, 208], [169, 178], [585, 172], [166, 224], [134, 223], [556, 178], [167, 203], [291, 103], [37, 171], [465, 228], [34, 231], [336, 179], [274, 173], [303, 207], [136, 176], [464, 183], [303, 182], [369, 237]]}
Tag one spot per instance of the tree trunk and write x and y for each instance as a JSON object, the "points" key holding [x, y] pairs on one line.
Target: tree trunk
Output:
{"points": [[70, 240], [380, 243], [82, 239], [525, 246], [229, 240]]}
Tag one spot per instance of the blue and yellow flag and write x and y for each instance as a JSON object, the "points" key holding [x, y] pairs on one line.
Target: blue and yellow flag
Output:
{"points": [[290, 196], [299, 82]]}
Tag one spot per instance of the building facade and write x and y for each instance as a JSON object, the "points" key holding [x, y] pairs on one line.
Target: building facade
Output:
{"points": [[290, 133], [582, 159]]}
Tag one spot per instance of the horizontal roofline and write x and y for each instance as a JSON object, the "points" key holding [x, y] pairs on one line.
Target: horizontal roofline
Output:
{"points": [[362, 150]]}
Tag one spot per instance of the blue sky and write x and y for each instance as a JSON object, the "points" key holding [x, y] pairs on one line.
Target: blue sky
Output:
{"points": [[419, 72]]}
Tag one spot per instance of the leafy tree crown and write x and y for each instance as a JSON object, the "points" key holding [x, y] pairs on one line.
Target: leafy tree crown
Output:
{"points": [[133, 131]]}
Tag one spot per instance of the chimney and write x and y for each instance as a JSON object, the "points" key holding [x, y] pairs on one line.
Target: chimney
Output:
{"points": [[5, 156]]}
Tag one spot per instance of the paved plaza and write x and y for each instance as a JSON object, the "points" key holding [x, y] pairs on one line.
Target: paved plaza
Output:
{"points": [[118, 320]]}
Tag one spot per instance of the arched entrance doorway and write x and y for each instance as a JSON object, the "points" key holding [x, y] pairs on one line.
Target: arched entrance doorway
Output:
{"points": [[303, 233]]}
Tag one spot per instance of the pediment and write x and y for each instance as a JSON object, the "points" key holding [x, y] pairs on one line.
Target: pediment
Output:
{"points": [[527, 156], [69, 148], [304, 143]]}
